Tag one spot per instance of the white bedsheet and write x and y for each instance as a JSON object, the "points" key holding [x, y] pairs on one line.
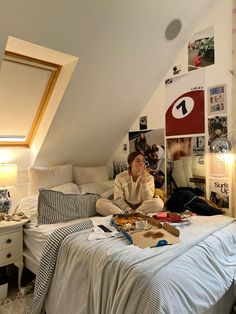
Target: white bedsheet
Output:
{"points": [[35, 236], [196, 280], [191, 283]]}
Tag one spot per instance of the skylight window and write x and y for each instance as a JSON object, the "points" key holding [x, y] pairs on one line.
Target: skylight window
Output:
{"points": [[11, 138], [26, 84], [33, 80]]}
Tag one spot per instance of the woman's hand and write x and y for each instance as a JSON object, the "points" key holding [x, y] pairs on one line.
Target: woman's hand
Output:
{"points": [[144, 175]]}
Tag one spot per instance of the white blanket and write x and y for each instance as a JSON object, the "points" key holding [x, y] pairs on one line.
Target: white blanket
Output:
{"points": [[109, 276]]}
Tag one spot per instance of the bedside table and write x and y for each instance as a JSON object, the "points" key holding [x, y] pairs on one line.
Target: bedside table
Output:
{"points": [[11, 244]]}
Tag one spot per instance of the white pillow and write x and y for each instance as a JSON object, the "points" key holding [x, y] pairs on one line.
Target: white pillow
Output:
{"points": [[97, 187], [47, 177], [28, 205], [66, 188], [82, 175]]}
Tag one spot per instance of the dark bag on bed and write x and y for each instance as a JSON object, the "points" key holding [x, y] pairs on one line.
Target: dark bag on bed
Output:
{"points": [[186, 199]]}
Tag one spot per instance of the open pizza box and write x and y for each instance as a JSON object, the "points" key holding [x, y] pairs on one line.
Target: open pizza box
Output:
{"points": [[145, 231]]}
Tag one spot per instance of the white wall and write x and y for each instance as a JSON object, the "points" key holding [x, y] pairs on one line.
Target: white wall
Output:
{"points": [[22, 157], [220, 17], [154, 109]]}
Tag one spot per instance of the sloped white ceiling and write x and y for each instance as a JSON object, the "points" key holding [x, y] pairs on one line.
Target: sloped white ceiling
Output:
{"points": [[123, 57]]}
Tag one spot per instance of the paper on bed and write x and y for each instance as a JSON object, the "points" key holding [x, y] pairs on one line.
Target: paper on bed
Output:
{"points": [[146, 238], [98, 234]]}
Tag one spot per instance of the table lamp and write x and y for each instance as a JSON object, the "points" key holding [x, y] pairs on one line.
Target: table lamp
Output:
{"points": [[8, 176]]}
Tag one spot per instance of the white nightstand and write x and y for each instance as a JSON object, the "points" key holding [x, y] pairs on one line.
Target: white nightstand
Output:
{"points": [[11, 245]]}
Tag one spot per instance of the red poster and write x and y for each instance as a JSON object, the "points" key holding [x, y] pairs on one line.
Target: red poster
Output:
{"points": [[185, 104]]}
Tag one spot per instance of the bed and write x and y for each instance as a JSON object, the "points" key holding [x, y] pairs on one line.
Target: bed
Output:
{"points": [[80, 269]]}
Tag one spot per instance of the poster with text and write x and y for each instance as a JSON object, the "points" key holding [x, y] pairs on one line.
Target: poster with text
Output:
{"points": [[201, 49], [185, 104], [219, 192], [216, 97]]}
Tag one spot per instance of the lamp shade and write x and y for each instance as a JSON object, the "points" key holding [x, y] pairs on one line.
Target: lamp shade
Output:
{"points": [[8, 174]]}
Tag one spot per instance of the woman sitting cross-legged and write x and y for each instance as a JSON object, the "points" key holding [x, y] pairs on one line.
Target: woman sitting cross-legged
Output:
{"points": [[133, 191]]}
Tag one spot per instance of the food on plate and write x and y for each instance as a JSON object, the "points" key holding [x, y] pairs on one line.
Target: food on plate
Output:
{"points": [[123, 221], [153, 234]]}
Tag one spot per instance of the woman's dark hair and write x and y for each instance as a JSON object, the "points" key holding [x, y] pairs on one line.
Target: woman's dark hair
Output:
{"points": [[131, 158]]}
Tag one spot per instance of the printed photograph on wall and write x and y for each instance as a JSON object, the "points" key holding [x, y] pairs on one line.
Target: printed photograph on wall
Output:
{"points": [[151, 144], [185, 104], [176, 69], [216, 97], [217, 167], [143, 123], [217, 127], [185, 163], [219, 192], [119, 165], [201, 49]]}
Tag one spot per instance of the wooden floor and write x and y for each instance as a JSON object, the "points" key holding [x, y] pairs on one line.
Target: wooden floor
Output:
{"points": [[11, 273]]}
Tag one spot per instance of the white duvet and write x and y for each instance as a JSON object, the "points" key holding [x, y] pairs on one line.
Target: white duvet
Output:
{"points": [[112, 277]]}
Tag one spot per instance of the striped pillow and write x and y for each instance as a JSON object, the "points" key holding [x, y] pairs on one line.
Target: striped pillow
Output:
{"points": [[55, 207]]}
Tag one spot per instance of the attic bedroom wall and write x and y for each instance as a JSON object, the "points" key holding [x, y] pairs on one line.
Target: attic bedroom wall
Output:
{"points": [[118, 71], [219, 73], [221, 18], [119, 68]]}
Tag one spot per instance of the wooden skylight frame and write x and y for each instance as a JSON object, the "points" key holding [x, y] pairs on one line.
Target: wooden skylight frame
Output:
{"points": [[55, 72]]}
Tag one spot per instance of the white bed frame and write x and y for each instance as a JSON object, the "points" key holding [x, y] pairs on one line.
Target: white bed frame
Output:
{"points": [[30, 262]]}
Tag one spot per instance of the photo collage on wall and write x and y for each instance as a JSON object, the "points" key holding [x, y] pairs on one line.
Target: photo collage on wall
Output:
{"points": [[185, 124], [185, 121], [217, 129], [217, 100]]}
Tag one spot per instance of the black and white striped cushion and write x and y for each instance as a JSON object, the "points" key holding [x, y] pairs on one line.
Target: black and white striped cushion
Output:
{"points": [[54, 206]]}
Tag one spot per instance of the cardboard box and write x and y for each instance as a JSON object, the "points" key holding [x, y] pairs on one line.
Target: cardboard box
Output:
{"points": [[153, 233], [148, 238]]}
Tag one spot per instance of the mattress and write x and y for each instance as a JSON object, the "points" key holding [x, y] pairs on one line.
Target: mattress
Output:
{"points": [[35, 237], [192, 282]]}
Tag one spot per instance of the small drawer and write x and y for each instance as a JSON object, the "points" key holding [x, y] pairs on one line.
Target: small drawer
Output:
{"points": [[10, 255], [10, 239]]}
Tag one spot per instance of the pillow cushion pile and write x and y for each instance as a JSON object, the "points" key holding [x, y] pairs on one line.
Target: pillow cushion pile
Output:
{"points": [[47, 177], [97, 187], [82, 175], [69, 187], [55, 207]]}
